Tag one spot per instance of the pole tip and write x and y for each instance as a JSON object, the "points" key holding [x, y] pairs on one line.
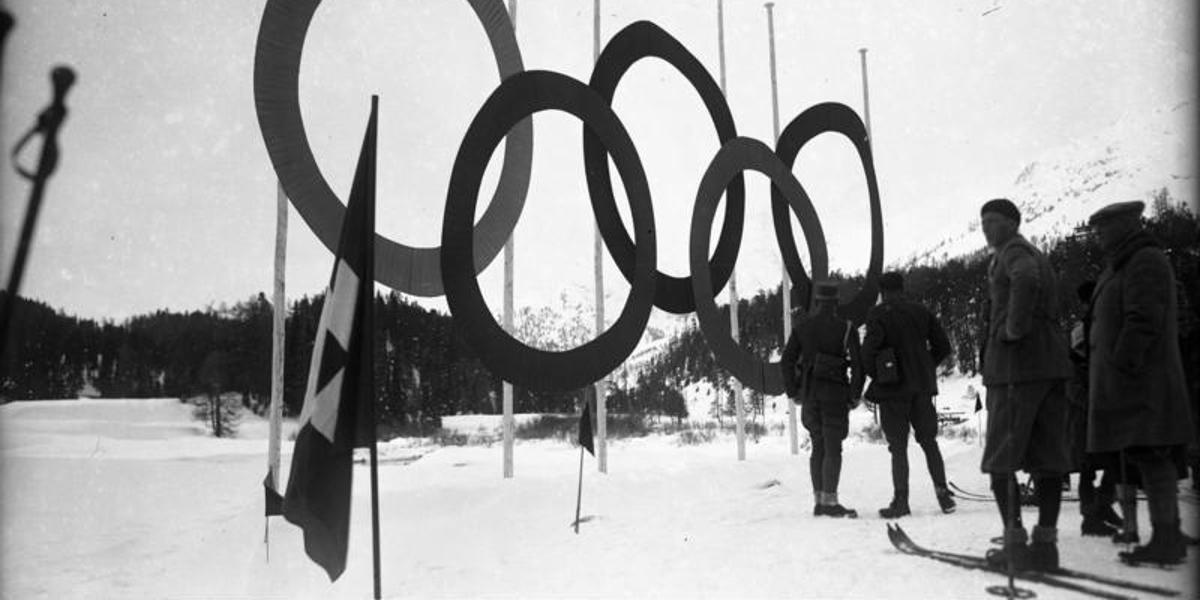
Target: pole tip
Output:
{"points": [[769, 5], [62, 78]]}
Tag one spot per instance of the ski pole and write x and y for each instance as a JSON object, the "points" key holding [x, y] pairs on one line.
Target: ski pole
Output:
{"points": [[47, 126]]}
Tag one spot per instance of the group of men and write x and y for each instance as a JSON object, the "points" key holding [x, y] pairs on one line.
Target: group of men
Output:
{"points": [[1132, 408]]}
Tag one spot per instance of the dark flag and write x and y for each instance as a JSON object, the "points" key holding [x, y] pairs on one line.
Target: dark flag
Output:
{"points": [[978, 403], [273, 502], [337, 410], [585, 425]]}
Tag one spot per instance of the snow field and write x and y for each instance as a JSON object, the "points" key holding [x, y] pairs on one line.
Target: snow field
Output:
{"points": [[129, 499]]}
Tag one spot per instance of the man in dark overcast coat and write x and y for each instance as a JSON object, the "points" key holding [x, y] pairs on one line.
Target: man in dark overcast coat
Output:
{"points": [[1138, 398], [920, 344]]}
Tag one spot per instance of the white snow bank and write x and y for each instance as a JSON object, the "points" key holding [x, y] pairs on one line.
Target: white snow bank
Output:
{"points": [[178, 514]]}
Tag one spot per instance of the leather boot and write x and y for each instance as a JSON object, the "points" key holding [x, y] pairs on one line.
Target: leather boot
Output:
{"points": [[834, 509], [1015, 545], [945, 499], [1094, 525], [1166, 547], [1043, 550], [898, 508]]}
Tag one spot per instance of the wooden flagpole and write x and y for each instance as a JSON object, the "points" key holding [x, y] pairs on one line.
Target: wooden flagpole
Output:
{"points": [[738, 403], [368, 332], [278, 337], [784, 287], [601, 385], [506, 423]]}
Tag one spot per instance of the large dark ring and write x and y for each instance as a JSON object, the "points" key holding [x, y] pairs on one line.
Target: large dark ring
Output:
{"points": [[837, 118], [409, 269], [735, 156], [515, 99], [637, 41]]}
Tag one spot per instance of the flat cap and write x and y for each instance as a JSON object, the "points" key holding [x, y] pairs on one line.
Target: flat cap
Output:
{"points": [[1117, 209], [1003, 206]]}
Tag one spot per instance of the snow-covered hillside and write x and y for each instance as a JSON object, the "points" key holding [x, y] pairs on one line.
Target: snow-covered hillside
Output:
{"points": [[1133, 159]]}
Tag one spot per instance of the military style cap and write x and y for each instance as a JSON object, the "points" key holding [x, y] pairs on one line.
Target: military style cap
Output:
{"points": [[825, 290], [1117, 209]]}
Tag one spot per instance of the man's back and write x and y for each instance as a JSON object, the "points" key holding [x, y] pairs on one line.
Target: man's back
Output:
{"points": [[917, 339]]}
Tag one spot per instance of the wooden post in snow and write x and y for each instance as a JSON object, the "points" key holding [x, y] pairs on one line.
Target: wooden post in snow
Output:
{"points": [[785, 287], [597, 247], [507, 425], [739, 406]]}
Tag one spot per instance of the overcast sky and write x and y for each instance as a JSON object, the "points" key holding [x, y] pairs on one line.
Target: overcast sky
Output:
{"points": [[165, 197]]}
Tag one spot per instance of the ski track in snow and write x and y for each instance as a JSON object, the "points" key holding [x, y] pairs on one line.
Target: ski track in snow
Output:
{"points": [[129, 499]]}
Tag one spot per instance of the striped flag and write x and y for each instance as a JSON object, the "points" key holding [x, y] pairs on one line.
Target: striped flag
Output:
{"points": [[337, 415]]}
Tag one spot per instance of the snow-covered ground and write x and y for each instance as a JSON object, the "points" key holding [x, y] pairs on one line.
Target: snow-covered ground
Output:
{"points": [[129, 499]]}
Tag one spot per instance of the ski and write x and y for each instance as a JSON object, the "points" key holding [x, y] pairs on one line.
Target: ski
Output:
{"points": [[902, 542], [966, 494], [1027, 497]]}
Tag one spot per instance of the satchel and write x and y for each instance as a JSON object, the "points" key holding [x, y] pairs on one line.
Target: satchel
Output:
{"points": [[887, 367], [832, 367]]}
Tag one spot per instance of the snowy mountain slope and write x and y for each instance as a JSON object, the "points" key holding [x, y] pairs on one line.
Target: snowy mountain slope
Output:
{"points": [[1133, 159]]}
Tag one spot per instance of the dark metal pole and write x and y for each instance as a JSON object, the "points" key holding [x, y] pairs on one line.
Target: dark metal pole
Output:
{"points": [[369, 345], [47, 126]]}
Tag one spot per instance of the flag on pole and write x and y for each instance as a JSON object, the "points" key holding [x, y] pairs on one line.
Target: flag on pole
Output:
{"points": [[586, 435], [273, 502], [337, 410]]}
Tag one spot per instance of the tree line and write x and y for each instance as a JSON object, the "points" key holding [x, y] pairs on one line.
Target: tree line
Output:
{"points": [[423, 369], [954, 289]]}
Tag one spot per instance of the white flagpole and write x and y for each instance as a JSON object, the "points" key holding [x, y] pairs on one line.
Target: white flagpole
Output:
{"points": [[507, 422], [279, 312], [862, 52], [739, 406], [784, 287], [601, 409], [866, 98]]}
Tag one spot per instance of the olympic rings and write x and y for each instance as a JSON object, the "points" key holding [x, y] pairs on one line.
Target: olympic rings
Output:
{"points": [[466, 249], [515, 99], [409, 269], [637, 41], [734, 157], [837, 118]]}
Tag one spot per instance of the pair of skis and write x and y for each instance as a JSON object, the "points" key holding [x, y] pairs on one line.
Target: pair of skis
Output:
{"points": [[1185, 495], [1069, 579], [1027, 498]]}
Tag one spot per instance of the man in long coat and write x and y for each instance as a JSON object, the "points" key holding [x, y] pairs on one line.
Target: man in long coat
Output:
{"points": [[1025, 369], [1138, 399], [918, 344], [820, 350]]}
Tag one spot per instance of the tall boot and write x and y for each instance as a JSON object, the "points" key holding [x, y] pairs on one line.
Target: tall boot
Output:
{"points": [[898, 508], [1103, 509], [1166, 547], [1043, 550], [1015, 546], [1166, 541], [1127, 499]]}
